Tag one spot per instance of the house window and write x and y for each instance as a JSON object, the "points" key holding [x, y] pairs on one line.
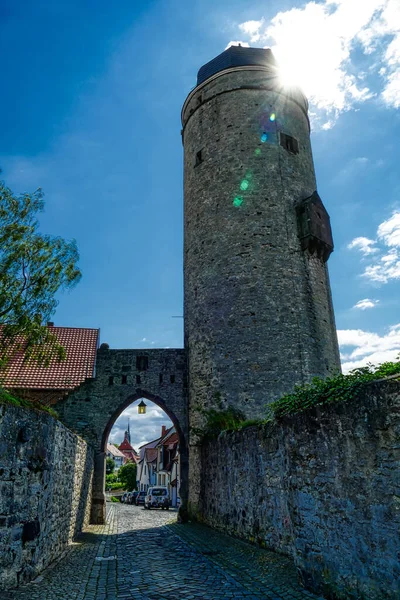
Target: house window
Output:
{"points": [[124, 379], [142, 363], [111, 380], [289, 143], [199, 158]]}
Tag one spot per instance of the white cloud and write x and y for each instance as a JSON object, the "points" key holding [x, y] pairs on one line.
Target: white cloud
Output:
{"points": [[318, 45], [252, 28], [389, 231], [366, 303], [363, 244], [384, 252], [365, 347]]}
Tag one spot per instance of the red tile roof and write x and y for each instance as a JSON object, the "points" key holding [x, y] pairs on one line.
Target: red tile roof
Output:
{"points": [[80, 345], [126, 446]]}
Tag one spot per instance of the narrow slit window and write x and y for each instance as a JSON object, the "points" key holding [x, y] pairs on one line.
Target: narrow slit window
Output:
{"points": [[142, 363], [161, 378], [138, 380], [172, 378], [124, 379], [289, 143], [111, 380], [199, 158]]}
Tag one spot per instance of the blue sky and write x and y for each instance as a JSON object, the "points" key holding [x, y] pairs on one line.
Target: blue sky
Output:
{"points": [[90, 109]]}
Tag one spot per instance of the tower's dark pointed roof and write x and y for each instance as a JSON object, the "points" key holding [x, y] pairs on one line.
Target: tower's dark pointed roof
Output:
{"points": [[235, 56]]}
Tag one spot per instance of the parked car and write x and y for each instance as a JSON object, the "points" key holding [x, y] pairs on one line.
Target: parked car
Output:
{"points": [[140, 498], [132, 497], [124, 496], [157, 497]]}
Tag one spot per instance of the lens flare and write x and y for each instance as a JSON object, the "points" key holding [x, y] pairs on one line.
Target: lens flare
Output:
{"points": [[238, 201], [244, 185], [272, 117], [264, 137], [257, 151]]}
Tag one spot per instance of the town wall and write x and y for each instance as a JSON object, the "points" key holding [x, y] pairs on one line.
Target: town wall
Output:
{"points": [[322, 486], [45, 492]]}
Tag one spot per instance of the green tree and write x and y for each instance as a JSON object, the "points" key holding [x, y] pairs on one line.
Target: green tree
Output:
{"points": [[110, 466], [33, 268], [127, 476]]}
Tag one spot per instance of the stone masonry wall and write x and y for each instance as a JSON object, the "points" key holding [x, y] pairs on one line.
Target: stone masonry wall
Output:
{"points": [[323, 487], [45, 492]]}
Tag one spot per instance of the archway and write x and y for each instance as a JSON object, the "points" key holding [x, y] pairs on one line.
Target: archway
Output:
{"points": [[99, 476], [123, 376]]}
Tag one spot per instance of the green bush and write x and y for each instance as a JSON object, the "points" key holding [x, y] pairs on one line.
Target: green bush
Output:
{"points": [[127, 476], [229, 419], [114, 486], [114, 499], [338, 388]]}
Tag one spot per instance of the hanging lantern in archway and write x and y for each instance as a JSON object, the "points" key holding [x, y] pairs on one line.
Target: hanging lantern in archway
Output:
{"points": [[142, 408]]}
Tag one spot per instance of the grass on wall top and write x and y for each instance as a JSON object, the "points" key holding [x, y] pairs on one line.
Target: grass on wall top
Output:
{"points": [[338, 388], [8, 399]]}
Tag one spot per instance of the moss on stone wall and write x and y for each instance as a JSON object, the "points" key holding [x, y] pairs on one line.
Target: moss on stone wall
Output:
{"points": [[9, 399]]}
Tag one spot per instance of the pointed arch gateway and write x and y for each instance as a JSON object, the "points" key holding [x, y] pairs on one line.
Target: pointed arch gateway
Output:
{"points": [[93, 408]]}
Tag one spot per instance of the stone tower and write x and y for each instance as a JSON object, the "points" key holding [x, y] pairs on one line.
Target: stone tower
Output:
{"points": [[257, 302]]}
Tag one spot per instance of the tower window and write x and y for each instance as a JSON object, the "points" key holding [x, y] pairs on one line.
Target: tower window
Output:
{"points": [[172, 379], [289, 143], [199, 158], [124, 379], [142, 363], [111, 380], [161, 378], [138, 380]]}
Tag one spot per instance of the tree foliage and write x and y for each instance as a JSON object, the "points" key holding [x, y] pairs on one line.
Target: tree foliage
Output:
{"points": [[33, 268], [110, 466], [127, 475]]}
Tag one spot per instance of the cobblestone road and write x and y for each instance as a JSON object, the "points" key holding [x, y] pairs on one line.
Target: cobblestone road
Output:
{"points": [[136, 556]]}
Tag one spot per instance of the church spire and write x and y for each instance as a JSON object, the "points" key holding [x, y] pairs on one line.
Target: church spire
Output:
{"points": [[127, 435]]}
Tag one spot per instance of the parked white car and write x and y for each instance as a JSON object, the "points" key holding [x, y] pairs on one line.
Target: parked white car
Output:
{"points": [[157, 497]]}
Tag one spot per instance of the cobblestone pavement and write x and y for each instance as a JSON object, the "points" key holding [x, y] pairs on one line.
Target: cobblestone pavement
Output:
{"points": [[137, 556]]}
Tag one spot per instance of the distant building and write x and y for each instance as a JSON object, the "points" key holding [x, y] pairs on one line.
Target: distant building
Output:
{"points": [[127, 434], [168, 463], [127, 450], [116, 455], [159, 464], [145, 460]]}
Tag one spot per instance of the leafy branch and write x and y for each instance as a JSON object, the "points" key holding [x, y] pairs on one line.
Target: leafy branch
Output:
{"points": [[33, 268]]}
